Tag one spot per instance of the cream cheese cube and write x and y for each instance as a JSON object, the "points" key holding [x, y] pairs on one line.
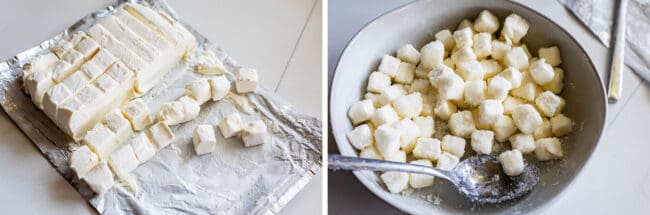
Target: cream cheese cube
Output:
{"points": [[561, 125], [121, 126], [499, 50], [517, 58], [464, 54], [510, 103], [409, 133], [425, 124], [101, 140], [142, 147], [489, 111], [171, 113], [419, 85], [246, 80], [61, 47], [503, 128], [389, 65], [498, 88], [557, 83], [427, 148], [446, 38], [482, 45], [490, 67], [437, 72], [447, 161], [526, 118], [361, 111], [549, 104], [453, 145], [463, 37], [428, 102], [123, 160], [514, 28], [525, 143], [541, 72], [137, 112], [551, 54], [191, 108], [408, 106], [466, 23], [203, 139], [475, 92], [405, 73], [361, 137], [387, 140], [371, 153], [444, 109], [432, 54], [254, 133], [208, 64], [421, 71], [199, 89], [462, 124], [393, 92], [219, 87], [486, 22], [100, 178], [378, 82], [482, 141], [377, 100], [513, 75], [512, 162], [528, 89], [53, 98], [395, 181], [548, 149], [543, 130], [408, 53], [399, 156], [470, 70], [82, 160], [160, 135], [450, 87], [40, 63], [420, 181], [230, 125], [384, 115]]}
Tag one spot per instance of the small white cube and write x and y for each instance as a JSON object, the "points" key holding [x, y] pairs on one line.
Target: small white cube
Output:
{"points": [[450, 87], [551, 54], [361, 136], [142, 146], [517, 58], [427, 148], [409, 133], [408, 106], [454, 145], [525, 143], [528, 89], [432, 54], [548, 149], [420, 85], [557, 83], [426, 125], [549, 103], [377, 99], [464, 54], [208, 64], [361, 111], [499, 50], [510, 103], [512, 162], [466, 23], [428, 102], [463, 37], [420, 181], [486, 22], [462, 124], [399, 156], [421, 71], [393, 92], [541, 72], [446, 38], [447, 161], [384, 115], [514, 28], [437, 72], [388, 65], [475, 92], [498, 88], [387, 140], [219, 87], [203, 139], [513, 75], [490, 67], [199, 89], [503, 128], [101, 140], [191, 108], [543, 130], [526, 118], [82, 160], [100, 178], [561, 125], [378, 82], [405, 73], [160, 135], [116, 121], [371, 153], [482, 141], [138, 114], [482, 45], [246, 80], [408, 53], [489, 111], [470, 70], [123, 160], [171, 113], [444, 109], [231, 125], [395, 181], [254, 133]]}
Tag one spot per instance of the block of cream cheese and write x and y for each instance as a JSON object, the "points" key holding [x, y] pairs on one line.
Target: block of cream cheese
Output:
{"points": [[208, 64], [137, 113], [121, 126], [246, 80], [100, 178], [204, 139], [142, 147], [123, 160], [82, 160], [220, 86], [254, 133], [160, 135], [230, 125], [101, 140], [199, 89]]}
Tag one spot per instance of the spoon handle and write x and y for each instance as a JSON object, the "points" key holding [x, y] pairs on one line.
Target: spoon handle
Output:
{"points": [[617, 59], [338, 162]]}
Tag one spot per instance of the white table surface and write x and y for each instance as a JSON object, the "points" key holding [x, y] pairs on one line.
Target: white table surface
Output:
{"points": [[616, 180], [282, 39]]}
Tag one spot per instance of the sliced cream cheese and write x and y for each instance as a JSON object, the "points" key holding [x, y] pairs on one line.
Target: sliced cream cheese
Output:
{"points": [[123, 160], [82, 160], [142, 146], [102, 141], [160, 135], [100, 178], [138, 114], [121, 126]]}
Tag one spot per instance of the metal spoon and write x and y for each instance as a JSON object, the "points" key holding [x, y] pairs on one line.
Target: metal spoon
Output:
{"points": [[479, 178], [617, 62]]}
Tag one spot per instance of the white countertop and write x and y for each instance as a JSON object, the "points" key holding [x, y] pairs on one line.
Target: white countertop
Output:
{"points": [[616, 180], [282, 39]]}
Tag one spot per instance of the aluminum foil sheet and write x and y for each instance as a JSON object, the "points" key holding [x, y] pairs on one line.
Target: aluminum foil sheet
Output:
{"points": [[231, 180], [598, 16]]}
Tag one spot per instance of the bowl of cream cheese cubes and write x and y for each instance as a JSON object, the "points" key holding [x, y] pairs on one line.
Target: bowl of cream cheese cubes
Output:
{"points": [[434, 82]]}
